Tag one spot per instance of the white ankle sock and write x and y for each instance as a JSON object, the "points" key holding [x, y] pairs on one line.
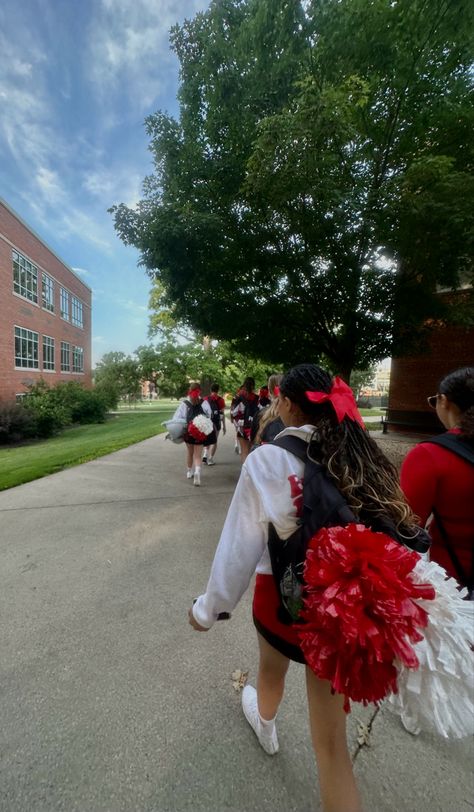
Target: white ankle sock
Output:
{"points": [[267, 724], [197, 469]]}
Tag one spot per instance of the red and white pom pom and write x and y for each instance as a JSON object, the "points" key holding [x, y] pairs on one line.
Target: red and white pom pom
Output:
{"points": [[361, 611], [200, 427]]}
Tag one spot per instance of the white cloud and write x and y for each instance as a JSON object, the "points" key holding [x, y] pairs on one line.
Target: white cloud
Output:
{"points": [[129, 47]]}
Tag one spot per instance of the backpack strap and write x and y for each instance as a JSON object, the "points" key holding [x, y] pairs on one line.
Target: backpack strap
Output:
{"points": [[463, 578], [459, 445], [295, 445]]}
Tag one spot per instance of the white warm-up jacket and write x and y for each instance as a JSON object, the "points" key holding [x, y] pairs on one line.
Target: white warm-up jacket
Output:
{"points": [[269, 490]]}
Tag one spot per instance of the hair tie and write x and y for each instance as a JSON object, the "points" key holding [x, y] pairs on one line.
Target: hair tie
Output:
{"points": [[194, 393], [276, 391], [341, 398]]}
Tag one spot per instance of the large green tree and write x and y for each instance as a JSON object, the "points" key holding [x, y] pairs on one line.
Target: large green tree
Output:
{"points": [[316, 189]]}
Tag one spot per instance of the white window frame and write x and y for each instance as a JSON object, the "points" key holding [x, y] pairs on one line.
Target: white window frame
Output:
{"points": [[48, 354], [47, 293], [64, 367], [64, 304], [77, 359], [25, 277], [77, 312], [22, 334]]}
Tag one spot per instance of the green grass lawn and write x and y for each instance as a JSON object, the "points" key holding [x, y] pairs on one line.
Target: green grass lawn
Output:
{"points": [[76, 445], [148, 406]]}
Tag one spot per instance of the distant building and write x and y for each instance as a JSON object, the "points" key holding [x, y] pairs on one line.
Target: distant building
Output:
{"points": [[45, 313]]}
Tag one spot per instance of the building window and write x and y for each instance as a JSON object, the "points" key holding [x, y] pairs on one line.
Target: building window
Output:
{"points": [[64, 304], [65, 357], [77, 316], [77, 359], [26, 348], [48, 353], [25, 277], [48, 293]]}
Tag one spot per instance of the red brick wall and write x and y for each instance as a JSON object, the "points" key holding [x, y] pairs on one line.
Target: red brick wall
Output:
{"points": [[413, 379], [15, 310]]}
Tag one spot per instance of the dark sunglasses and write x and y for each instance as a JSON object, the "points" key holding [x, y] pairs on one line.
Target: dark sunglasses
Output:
{"points": [[432, 401]]}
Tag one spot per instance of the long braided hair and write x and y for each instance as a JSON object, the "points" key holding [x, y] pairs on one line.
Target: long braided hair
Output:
{"points": [[361, 471]]}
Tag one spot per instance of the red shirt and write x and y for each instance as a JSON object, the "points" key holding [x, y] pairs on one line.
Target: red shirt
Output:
{"points": [[220, 401], [433, 477]]}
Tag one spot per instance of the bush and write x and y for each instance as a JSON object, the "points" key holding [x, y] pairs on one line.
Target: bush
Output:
{"points": [[66, 403], [49, 414], [16, 423], [83, 405], [364, 403]]}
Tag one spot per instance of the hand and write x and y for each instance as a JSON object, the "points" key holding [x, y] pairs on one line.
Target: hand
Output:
{"points": [[193, 622]]}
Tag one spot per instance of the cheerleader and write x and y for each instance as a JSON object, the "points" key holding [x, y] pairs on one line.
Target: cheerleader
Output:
{"points": [[243, 413], [196, 438], [323, 413]]}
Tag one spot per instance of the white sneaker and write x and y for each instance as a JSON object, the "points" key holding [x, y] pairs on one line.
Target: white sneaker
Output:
{"points": [[197, 478], [265, 733], [210, 461], [189, 474]]}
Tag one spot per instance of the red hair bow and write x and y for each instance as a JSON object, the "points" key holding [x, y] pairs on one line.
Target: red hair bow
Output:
{"points": [[194, 393], [341, 398]]}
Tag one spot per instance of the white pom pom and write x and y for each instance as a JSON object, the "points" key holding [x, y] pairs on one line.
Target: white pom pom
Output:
{"points": [[439, 695]]}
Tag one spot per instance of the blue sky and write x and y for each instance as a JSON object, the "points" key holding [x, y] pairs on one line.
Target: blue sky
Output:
{"points": [[77, 78]]}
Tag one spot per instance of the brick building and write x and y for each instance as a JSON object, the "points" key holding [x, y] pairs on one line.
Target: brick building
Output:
{"points": [[414, 378], [45, 312]]}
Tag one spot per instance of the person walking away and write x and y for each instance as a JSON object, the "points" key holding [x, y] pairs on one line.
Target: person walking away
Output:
{"points": [[235, 400], [437, 478], [269, 495], [190, 409], [244, 411], [217, 405]]}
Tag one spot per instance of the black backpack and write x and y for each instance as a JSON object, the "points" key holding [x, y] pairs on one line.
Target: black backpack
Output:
{"points": [[251, 409], [215, 413], [323, 506], [193, 409]]}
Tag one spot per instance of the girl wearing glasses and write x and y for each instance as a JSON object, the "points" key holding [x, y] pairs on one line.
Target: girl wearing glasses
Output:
{"points": [[437, 477]]}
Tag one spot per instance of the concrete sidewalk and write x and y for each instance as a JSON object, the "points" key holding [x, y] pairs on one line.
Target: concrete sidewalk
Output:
{"points": [[110, 702]]}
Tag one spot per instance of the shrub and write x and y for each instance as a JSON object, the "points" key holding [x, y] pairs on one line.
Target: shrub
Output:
{"points": [[16, 423], [50, 415], [83, 405]]}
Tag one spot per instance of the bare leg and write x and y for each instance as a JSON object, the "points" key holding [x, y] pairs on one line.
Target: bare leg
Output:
{"points": [[197, 456], [272, 670], [328, 732], [189, 455]]}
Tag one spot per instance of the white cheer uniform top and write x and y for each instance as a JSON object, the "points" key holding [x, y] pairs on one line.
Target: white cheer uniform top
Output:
{"points": [[269, 489]]}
